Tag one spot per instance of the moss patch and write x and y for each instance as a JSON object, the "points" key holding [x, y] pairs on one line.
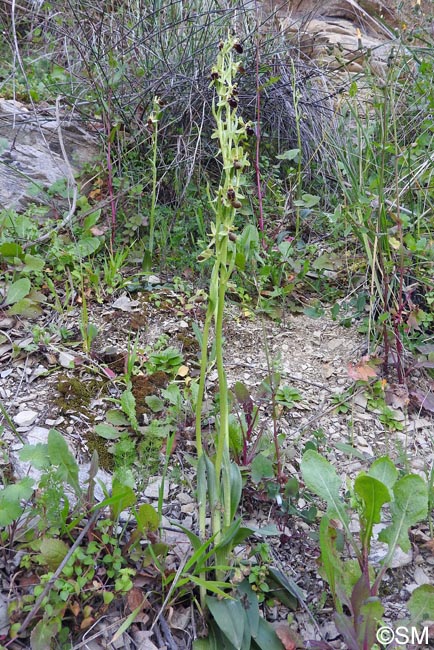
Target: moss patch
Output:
{"points": [[75, 394]]}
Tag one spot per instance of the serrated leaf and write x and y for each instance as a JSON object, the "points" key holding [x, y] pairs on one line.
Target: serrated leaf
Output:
{"points": [[52, 552], [321, 478], [107, 431], [410, 505], [17, 291], [128, 404], [373, 495], [261, 467], [10, 500], [37, 455], [61, 457], [421, 604]]}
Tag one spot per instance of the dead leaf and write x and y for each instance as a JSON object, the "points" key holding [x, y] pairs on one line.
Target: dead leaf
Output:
{"points": [[425, 399], [397, 396], [182, 371], [135, 598], [361, 371], [289, 639], [124, 303]]}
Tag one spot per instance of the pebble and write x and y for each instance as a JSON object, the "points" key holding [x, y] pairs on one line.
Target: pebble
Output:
{"points": [[37, 435], [152, 490], [188, 508], [420, 577], [25, 418], [184, 498]]}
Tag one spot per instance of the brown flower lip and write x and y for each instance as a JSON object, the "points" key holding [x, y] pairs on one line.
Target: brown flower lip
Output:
{"points": [[238, 47], [231, 194]]}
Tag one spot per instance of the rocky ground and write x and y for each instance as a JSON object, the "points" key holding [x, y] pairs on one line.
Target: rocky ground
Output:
{"points": [[39, 382]]}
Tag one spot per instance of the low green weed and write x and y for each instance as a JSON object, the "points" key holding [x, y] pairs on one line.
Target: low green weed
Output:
{"points": [[355, 583]]}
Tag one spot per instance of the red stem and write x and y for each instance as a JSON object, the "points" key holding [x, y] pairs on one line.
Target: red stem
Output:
{"points": [[258, 127]]}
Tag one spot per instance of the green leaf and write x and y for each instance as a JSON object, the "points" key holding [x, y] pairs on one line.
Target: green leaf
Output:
{"points": [[261, 467], [122, 498], [230, 617], [147, 518], [236, 488], [44, 632], [25, 307], [331, 563], [116, 417], [385, 471], [86, 246], [421, 604], [155, 403], [17, 291], [321, 478], [266, 638], [10, 500], [61, 457], [371, 613], [10, 249], [107, 431], [410, 505], [37, 455], [250, 603], [284, 588], [33, 263], [291, 154], [128, 404], [373, 494], [52, 552]]}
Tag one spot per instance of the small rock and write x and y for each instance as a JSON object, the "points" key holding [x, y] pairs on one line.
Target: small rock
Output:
{"points": [[66, 360], [188, 508], [152, 490], [184, 497], [420, 577], [153, 279], [25, 418], [37, 435]]}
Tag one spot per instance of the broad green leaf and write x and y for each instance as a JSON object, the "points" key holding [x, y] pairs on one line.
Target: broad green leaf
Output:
{"points": [[44, 632], [421, 604], [291, 154], [155, 403], [262, 467], [61, 457], [10, 500], [37, 455], [33, 263], [26, 308], [17, 291], [331, 563], [373, 495], [10, 249], [122, 498], [128, 404], [86, 246], [410, 505], [251, 606], [266, 638], [116, 417], [230, 617], [321, 478], [147, 518], [385, 471], [52, 552], [284, 588], [107, 431]]}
